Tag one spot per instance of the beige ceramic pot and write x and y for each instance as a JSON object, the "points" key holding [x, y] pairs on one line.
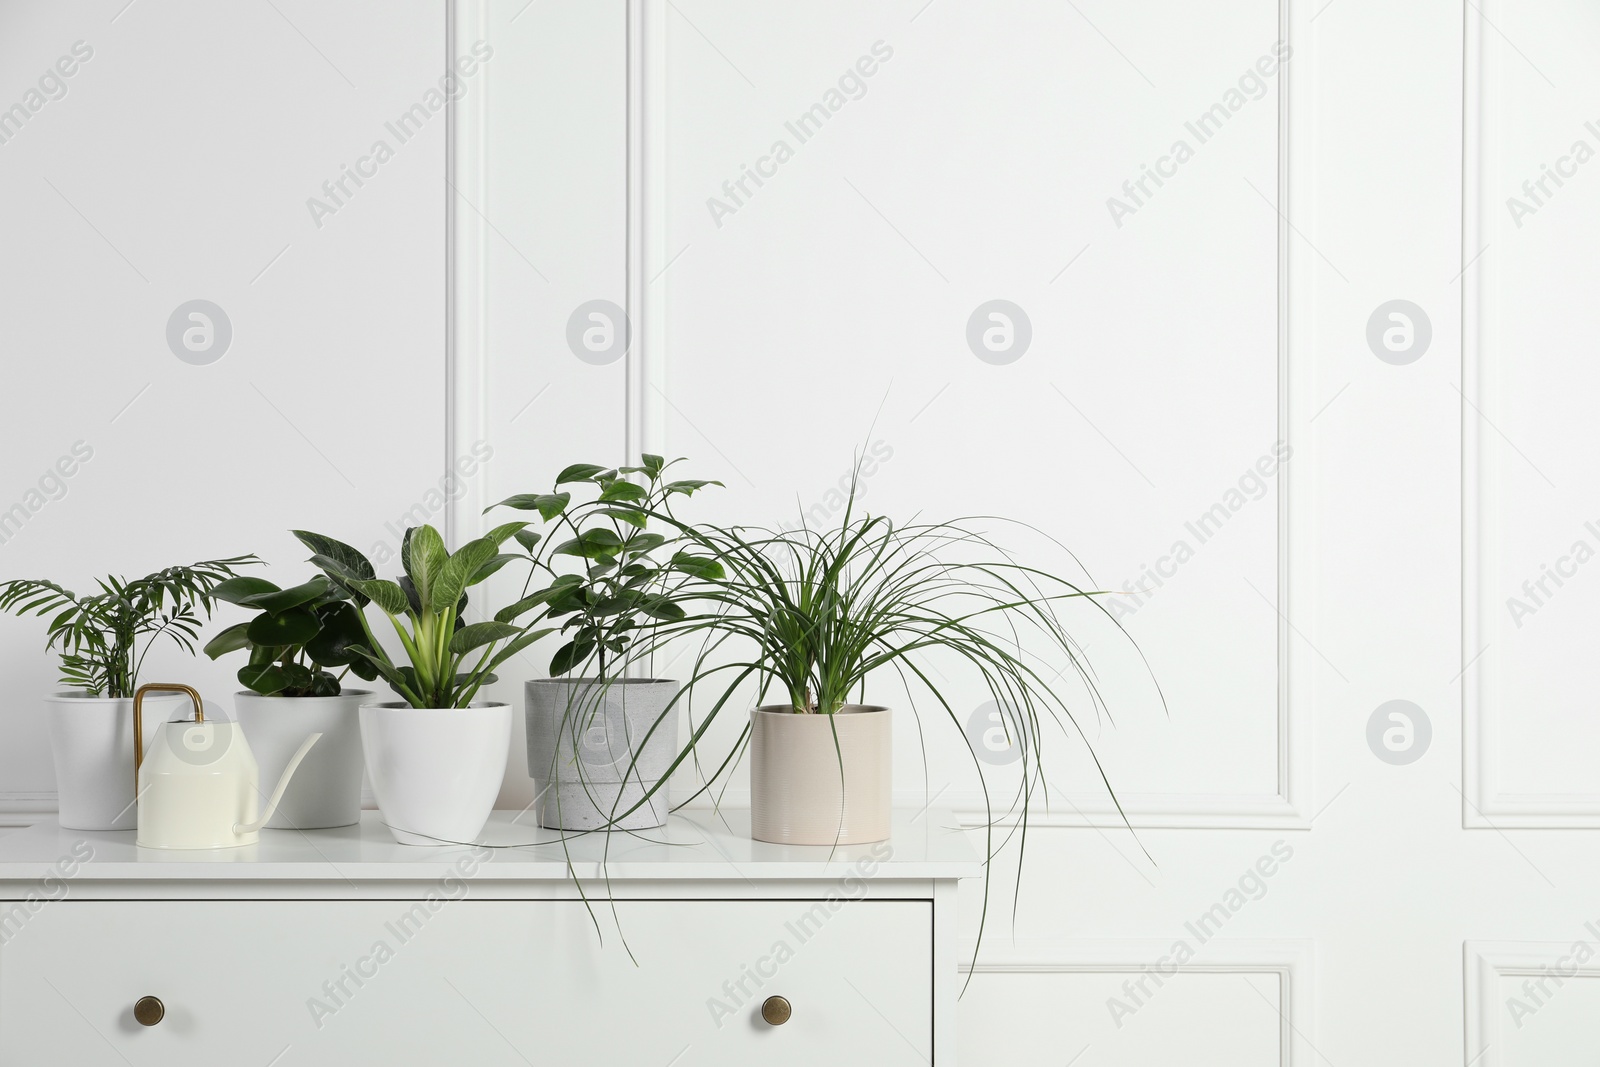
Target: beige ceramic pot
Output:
{"points": [[798, 795]]}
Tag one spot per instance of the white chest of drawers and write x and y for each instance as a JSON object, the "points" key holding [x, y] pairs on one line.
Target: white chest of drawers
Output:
{"points": [[340, 947]]}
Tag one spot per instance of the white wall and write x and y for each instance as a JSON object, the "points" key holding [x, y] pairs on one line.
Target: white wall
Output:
{"points": [[177, 165], [1406, 904]]}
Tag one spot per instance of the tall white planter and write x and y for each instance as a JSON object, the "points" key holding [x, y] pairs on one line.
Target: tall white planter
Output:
{"points": [[435, 771], [595, 750], [820, 779], [91, 743], [326, 790]]}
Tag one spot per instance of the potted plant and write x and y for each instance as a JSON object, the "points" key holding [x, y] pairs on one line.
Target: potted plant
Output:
{"points": [[599, 743], [296, 639], [102, 640], [436, 757], [814, 616]]}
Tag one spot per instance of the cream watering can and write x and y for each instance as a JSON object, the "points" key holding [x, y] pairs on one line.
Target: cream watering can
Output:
{"points": [[199, 785]]}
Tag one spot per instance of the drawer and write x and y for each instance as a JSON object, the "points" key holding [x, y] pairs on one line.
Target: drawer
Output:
{"points": [[469, 981]]}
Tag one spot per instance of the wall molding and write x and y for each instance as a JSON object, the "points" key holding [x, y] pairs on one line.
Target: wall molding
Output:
{"points": [[1486, 803], [1484, 964], [1290, 805], [1291, 962]]}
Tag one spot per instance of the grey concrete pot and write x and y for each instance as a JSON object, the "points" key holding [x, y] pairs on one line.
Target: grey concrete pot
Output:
{"points": [[596, 748]]}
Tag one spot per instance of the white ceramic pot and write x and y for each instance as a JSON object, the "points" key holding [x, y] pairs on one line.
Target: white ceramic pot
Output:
{"points": [[595, 750], [803, 793], [435, 771], [326, 790], [91, 741]]}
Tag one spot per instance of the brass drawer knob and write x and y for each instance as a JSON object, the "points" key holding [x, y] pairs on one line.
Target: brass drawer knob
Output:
{"points": [[149, 1011], [776, 1010]]}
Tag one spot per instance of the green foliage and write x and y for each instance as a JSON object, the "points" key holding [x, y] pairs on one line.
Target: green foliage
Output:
{"points": [[447, 659], [103, 638], [627, 573], [297, 635]]}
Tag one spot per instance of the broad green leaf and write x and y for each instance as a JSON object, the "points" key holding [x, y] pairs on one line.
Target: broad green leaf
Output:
{"points": [[579, 472], [341, 635], [689, 485], [663, 609], [230, 640], [458, 573], [348, 558], [622, 490], [499, 534], [561, 587], [698, 566], [479, 634], [652, 464], [494, 564], [516, 646], [427, 562], [266, 679], [284, 599], [570, 655], [386, 594], [591, 544], [639, 544], [631, 516], [235, 590], [548, 505], [293, 627], [528, 539]]}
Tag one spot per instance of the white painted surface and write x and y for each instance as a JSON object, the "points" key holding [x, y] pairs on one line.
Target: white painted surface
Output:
{"points": [[980, 157]]}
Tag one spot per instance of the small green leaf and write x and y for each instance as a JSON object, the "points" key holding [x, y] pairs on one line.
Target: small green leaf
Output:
{"points": [[652, 464], [528, 539], [689, 485]]}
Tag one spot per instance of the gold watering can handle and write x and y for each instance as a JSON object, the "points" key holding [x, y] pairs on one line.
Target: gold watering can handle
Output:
{"points": [[138, 720]]}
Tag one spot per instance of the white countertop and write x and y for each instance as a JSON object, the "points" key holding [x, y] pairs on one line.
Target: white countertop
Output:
{"points": [[698, 845]]}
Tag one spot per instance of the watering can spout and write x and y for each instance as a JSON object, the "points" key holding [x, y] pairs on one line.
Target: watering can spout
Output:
{"points": [[277, 794]]}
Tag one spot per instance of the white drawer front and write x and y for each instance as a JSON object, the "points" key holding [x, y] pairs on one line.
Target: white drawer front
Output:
{"points": [[468, 981]]}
